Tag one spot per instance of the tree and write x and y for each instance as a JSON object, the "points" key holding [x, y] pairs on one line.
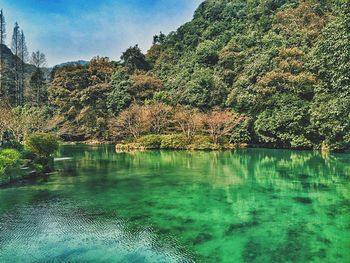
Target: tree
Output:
{"points": [[203, 91], [159, 39], [132, 122], [119, 97], [26, 120], [37, 84], [15, 47], [100, 70], [221, 123], [207, 52], [23, 56], [2, 43], [144, 86], [159, 117], [188, 121], [302, 20], [133, 59], [331, 106], [38, 59], [37, 79], [6, 116], [80, 95], [290, 76]]}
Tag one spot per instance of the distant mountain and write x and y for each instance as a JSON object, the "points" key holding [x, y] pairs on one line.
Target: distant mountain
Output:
{"points": [[78, 62]]}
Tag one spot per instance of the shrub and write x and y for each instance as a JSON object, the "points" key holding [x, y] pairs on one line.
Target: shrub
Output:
{"points": [[13, 145], [173, 142], [150, 141], [43, 145], [8, 158], [203, 143]]}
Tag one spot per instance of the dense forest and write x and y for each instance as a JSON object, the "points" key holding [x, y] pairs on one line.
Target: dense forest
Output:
{"points": [[274, 73]]}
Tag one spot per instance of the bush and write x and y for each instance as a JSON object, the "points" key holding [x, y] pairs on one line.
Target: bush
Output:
{"points": [[150, 141], [43, 145], [8, 158], [12, 145], [173, 142], [203, 143]]}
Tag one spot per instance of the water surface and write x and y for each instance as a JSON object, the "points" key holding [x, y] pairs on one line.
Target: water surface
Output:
{"points": [[254, 205]]}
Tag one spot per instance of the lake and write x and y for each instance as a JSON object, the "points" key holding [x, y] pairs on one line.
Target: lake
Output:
{"points": [[252, 205]]}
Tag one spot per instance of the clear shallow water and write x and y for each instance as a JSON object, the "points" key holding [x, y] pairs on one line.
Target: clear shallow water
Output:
{"points": [[252, 205]]}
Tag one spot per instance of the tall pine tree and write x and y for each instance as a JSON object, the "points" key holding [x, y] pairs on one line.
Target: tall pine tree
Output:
{"points": [[15, 47], [23, 56]]}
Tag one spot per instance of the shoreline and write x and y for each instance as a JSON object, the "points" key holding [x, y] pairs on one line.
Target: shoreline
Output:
{"points": [[124, 147]]}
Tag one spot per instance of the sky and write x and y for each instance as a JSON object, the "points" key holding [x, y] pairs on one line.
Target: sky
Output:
{"points": [[69, 30]]}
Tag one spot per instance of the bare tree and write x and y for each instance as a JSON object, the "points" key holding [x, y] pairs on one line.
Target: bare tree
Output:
{"points": [[159, 117], [38, 59], [37, 80], [221, 123], [132, 122], [188, 121]]}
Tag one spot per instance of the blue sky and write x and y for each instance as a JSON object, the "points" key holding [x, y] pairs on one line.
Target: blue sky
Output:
{"points": [[67, 30]]}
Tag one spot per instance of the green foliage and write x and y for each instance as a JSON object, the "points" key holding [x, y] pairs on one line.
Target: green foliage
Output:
{"points": [[283, 63], [12, 145], [41, 144], [173, 142], [79, 96], [38, 87], [284, 125], [207, 52], [119, 97], [150, 141], [200, 142], [133, 59], [241, 133], [8, 158], [330, 110]]}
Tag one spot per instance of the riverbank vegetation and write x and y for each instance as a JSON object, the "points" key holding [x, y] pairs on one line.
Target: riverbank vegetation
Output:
{"points": [[30, 159], [270, 73]]}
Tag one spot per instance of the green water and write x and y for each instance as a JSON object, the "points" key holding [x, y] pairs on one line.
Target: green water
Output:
{"points": [[254, 205]]}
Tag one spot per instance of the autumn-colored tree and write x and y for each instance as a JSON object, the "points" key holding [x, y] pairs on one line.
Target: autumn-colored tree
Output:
{"points": [[188, 121], [221, 123], [160, 117], [144, 86], [290, 76], [100, 70], [132, 122], [301, 20]]}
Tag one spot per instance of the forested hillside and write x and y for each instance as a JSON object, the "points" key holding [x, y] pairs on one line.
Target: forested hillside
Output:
{"points": [[265, 72], [286, 64]]}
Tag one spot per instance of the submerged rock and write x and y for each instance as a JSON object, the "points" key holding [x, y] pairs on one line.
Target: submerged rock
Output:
{"points": [[303, 200], [202, 237]]}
